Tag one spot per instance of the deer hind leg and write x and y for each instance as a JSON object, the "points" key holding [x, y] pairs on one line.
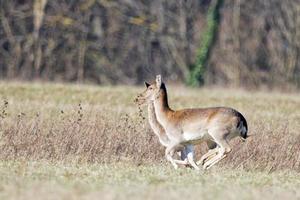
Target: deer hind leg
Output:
{"points": [[213, 161], [210, 154], [213, 150], [223, 150]]}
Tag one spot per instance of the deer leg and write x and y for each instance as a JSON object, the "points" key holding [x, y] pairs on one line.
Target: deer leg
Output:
{"points": [[170, 150], [183, 156], [220, 139], [222, 153], [187, 155], [189, 150], [212, 146], [210, 154], [181, 162], [213, 161]]}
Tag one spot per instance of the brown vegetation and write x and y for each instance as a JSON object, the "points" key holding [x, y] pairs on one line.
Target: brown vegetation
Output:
{"points": [[105, 131], [101, 41], [258, 44], [80, 139]]}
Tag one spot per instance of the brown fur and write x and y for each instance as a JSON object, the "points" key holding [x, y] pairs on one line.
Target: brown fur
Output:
{"points": [[193, 126]]}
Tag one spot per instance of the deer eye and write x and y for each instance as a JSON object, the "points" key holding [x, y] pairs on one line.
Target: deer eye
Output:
{"points": [[150, 88]]}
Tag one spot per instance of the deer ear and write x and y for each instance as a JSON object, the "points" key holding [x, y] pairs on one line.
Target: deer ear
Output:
{"points": [[147, 84], [158, 81]]}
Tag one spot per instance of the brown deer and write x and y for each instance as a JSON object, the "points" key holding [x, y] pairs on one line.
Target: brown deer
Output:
{"points": [[215, 125], [186, 152]]}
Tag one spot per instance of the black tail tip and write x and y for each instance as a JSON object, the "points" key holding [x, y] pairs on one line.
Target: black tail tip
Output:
{"points": [[245, 136]]}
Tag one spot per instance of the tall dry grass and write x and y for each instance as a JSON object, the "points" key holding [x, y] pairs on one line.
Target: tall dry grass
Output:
{"points": [[80, 138], [97, 132]]}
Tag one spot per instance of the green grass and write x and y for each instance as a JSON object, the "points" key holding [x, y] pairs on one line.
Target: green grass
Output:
{"points": [[124, 181], [265, 167]]}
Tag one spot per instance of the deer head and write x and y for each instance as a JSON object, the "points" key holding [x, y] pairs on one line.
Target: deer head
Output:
{"points": [[150, 93]]}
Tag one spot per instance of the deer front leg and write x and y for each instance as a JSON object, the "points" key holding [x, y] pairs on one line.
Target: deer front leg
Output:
{"points": [[170, 150], [181, 162], [187, 157], [189, 149], [183, 156]]}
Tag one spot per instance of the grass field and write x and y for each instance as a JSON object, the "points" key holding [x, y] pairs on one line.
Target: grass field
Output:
{"points": [[87, 142]]}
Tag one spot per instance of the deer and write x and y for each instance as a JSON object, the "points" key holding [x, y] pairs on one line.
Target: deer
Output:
{"points": [[192, 126], [186, 152]]}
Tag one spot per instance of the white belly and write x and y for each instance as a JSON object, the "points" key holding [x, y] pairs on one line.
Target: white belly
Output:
{"points": [[194, 136]]}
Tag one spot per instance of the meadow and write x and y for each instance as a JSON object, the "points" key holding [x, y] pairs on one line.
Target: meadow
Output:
{"points": [[61, 141]]}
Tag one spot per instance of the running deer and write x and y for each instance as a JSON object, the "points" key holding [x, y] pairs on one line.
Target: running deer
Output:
{"points": [[215, 125], [187, 151]]}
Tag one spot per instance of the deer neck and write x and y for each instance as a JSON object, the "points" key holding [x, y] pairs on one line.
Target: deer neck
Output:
{"points": [[156, 126], [162, 108]]}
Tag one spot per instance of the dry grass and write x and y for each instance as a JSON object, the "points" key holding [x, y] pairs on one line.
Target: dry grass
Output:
{"points": [[88, 124], [87, 142]]}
